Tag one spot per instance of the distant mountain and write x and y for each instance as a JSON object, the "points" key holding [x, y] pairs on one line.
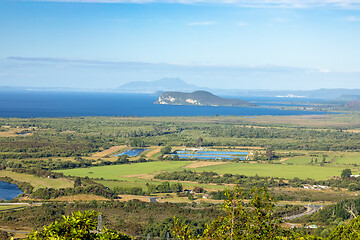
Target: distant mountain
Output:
{"points": [[353, 106], [349, 97], [199, 98], [164, 84]]}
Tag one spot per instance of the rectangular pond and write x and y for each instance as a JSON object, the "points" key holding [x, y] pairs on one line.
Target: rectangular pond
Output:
{"points": [[212, 155], [132, 152]]}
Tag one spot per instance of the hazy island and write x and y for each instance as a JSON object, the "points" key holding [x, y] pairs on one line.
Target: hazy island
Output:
{"points": [[199, 98]]}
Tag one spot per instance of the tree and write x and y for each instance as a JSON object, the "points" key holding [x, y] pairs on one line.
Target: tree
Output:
{"points": [[78, 226], [239, 222], [123, 159], [353, 187], [346, 173], [199, 142], [77, 182], [351, 231], [256, 156], [269, 153], [166, 150]]}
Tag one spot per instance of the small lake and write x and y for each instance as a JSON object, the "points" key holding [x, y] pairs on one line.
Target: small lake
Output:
{"points": [[9, 191], [131, 153]]}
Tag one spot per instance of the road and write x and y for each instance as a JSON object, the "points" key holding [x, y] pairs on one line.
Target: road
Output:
{"points": [[310, 209]]}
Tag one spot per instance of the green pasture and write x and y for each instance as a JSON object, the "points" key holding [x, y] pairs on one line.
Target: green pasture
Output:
{"points": [[348, 158], [38, 182], [133, 171], [118, 171], [12, 207], [334, 158], [275, 170]]}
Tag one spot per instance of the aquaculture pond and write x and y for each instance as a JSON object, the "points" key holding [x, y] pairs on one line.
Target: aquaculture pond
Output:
{"points": [[9, 191], [132, 152], [212, 155]]}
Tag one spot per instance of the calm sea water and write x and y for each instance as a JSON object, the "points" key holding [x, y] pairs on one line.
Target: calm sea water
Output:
{"points": [[9, 191], [29, 104]]}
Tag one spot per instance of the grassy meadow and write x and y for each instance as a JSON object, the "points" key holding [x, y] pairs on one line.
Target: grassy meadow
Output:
{"points": [[38, 182], [143, 170]]}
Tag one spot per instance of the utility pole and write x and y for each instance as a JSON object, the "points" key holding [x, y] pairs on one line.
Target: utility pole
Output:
{"points": [[99, 225]]}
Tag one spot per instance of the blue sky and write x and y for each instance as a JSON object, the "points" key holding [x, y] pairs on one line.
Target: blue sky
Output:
{"points": [[244, 44]]}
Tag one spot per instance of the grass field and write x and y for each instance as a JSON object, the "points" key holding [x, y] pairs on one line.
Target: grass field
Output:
{"points": [[333, 158], [38, 182], [127, 170], [275, 170], [12, 207], [121, 172]]}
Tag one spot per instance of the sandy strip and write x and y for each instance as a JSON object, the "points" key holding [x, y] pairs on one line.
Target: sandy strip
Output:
{"points": [[352, 130], [284, 159], [142, 176], [125, 198], [108, 151], [203, 164], [153, 152]]}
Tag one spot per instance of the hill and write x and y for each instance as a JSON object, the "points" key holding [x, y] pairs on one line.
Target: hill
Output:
{"points": [[199, 98], [164, 84], [353, 106]]}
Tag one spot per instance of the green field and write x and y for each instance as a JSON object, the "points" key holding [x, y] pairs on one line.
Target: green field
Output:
{"points": [[119, 171], [335, 158], [122, 172], [38, 182], [275, 170], [12, 207]]}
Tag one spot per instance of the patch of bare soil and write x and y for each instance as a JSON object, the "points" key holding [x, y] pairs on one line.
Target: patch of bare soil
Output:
{"points": [[203, 164], [284, 159], [108, 151], [153, 152], [125, 198], [142, 176]]}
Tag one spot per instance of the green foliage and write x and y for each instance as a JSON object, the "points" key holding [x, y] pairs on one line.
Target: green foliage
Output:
{"points": [[227, 178], [199, 142], [77, 182], [166, 150], [50, 193], [346, 173], [353, 187], [257, 221], [5, 235], [270, 154], [350, 232], [78, 226], [165, 187]]}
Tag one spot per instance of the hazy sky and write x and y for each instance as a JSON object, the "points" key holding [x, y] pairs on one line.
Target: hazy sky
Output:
{"points": [[244, 44]]}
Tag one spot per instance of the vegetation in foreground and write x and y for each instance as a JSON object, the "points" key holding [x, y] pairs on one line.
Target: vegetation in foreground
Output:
{"points": [[239, 220], [287, 154]]}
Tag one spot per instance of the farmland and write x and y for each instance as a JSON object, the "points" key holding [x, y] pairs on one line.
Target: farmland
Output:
{"points": [[84, 159], [264, 170]]}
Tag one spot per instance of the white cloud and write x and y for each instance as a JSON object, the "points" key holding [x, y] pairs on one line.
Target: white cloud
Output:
{"points": [[353, 19], [324, 71], [242, 24], [201, 23], [242, 3]]}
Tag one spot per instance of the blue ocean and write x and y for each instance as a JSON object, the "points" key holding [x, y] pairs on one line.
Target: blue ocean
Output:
{"points": [[33, 104]]}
